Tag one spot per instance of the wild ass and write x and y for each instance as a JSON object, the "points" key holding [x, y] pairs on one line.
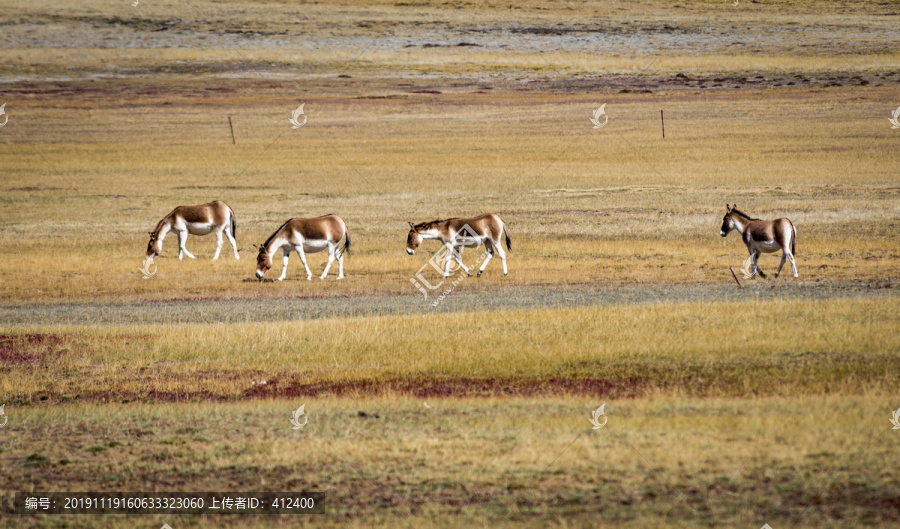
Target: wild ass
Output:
{"points": [[456, 233], [305, 235], [762, 236], [215, 217]]}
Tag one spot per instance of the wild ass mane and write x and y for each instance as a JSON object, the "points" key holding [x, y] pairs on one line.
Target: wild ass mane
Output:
{"points": [[430, 224], [741, 213]]}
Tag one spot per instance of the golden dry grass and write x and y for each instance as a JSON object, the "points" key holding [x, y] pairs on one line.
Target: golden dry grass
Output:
{"points": [[584, 206], [506, 463]]}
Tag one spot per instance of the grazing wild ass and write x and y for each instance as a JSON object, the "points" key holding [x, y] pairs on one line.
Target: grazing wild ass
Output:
{"points": [[456, 233], [305, 235], [762, 236], [215, 217]]}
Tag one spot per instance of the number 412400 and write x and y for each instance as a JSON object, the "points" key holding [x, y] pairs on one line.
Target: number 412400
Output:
{"points": [[293, 503]]}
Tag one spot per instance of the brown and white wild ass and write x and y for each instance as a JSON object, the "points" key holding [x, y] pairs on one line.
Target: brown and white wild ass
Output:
{"points": [[215, 217], [762, 236], [306, 235], [456, 233]]}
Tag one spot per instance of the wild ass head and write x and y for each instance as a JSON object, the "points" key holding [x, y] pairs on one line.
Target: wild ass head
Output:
{"points": [[727, 221], [153, 248], [263, 261], [413, 239]]}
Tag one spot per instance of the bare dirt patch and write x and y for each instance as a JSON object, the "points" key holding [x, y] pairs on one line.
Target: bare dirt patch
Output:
{"points": [[31, 348]]}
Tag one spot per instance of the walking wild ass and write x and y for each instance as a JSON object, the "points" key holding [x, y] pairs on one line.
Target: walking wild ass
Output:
{"points": [[762, 236], [215, 217], [305, 235], [456, 233]]}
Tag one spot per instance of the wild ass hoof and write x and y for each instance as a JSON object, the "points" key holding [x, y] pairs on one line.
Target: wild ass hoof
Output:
{"points": [[340, 277], [504, 274], [479, 273]]}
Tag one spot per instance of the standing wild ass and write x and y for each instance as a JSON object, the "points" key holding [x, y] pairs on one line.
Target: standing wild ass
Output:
{"points": [[305, 235], [762, 236], [197, 220], [456, 233]]}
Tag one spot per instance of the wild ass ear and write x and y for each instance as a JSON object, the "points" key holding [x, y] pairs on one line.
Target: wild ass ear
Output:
{"points": [[727, 208], [411, 226]]}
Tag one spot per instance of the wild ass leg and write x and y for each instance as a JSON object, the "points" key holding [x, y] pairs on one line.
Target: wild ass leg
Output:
{"points": [[182, 240], [331, 250], [232, 241], [489, 250], [303, 260], [790, 257], [459, 260], [781, 264], [502, 253], [449, 251], [218, 244], [340, 259], [756, 268], [287, 254]]}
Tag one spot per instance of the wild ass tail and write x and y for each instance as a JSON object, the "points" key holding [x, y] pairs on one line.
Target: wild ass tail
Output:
{"points": [[793, 239], [346, 247], [233, 223], [506, 232]]}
